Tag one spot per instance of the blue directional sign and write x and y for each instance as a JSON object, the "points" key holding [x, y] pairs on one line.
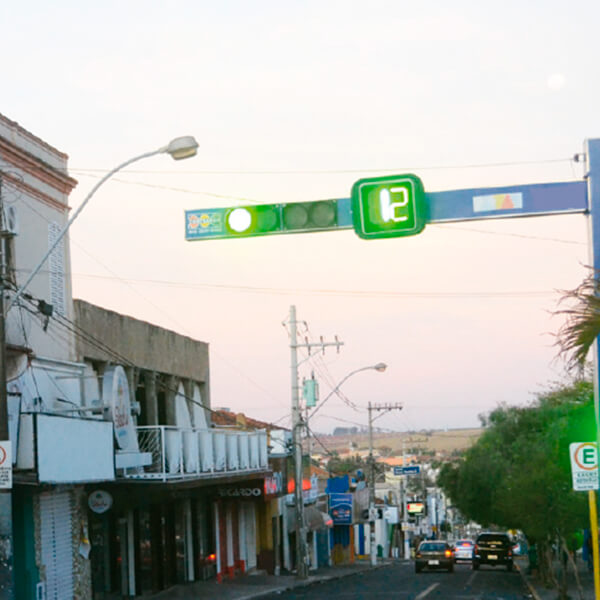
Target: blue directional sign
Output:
{"points": [[412, 470]]}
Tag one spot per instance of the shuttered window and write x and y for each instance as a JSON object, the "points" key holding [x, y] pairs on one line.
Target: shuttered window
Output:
{"points": [[56, 267], [57, 544]]}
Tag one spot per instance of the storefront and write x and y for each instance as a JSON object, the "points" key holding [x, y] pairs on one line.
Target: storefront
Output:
{"points": [[143, 543]]}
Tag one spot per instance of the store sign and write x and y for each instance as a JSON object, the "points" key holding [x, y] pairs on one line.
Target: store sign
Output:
{"points": [[115, 395], [5, 465], [415, 508], [100, 501], [240, 492], [340, 508], [274, 484]]}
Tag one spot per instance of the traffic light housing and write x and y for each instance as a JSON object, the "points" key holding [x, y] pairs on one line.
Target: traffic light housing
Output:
{"points": [[391, 206], [264, 219]]}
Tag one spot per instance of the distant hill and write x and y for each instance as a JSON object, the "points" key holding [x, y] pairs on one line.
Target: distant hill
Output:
{"points": [[440, 442]]}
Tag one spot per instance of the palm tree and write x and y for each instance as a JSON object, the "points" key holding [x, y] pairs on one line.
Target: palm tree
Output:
{"points": [[582, 326]]}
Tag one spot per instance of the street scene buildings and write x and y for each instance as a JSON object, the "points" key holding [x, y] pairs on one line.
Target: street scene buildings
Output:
{"points": [[126, 479]]}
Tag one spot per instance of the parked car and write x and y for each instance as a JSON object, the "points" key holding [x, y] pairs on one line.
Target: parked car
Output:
{"points": [[463, 550], [492, 548], [434, 554]]}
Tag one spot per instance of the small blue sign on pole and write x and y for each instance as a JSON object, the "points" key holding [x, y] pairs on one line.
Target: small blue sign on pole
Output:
{"points": [[412, 470], [340, 508]]}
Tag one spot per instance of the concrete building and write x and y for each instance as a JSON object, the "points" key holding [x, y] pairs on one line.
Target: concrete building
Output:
{"points": [[121, 485]]}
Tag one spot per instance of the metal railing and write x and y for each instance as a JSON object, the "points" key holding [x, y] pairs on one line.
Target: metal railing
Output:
{"points": [[195, 453]]}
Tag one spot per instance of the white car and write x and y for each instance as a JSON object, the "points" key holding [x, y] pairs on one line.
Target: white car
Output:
{"points": [[463, 550]]}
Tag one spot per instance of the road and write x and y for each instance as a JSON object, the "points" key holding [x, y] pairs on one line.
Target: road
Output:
{"points": [[402, 583]]}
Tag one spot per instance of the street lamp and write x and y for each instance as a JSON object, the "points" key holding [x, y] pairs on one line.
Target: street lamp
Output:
{"points": [[179, 148], [380, 367]]}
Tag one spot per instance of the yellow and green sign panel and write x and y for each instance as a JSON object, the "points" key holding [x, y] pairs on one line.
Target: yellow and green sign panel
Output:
{"points": [[392, 206]]}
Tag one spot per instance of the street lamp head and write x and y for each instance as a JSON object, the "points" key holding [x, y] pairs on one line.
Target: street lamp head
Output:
{"points": [[182, 147], [381, 367]]}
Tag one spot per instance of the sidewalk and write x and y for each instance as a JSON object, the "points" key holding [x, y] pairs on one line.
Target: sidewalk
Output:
{"points": [[246, 587], [540, 592]]}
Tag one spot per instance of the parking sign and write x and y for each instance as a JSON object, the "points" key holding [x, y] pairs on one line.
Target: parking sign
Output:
{"points": [[584, 466]]}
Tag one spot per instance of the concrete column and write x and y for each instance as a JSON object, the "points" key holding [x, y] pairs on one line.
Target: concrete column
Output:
{"points": [[188, 390], [171, 383], [131, 380], [150, 407]]}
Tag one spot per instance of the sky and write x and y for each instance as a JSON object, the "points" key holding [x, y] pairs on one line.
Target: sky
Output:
{"points": [[294, 101]]}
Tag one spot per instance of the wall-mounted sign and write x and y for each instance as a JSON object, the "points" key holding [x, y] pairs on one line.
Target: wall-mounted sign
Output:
{"points": [[100, 501], [115, 396], [415, 508], [5, 465], [240, 492], [274, 484], [340, 508]]}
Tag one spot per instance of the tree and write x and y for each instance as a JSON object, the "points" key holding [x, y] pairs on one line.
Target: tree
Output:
{"points": [[582, 325], [517, 475]]}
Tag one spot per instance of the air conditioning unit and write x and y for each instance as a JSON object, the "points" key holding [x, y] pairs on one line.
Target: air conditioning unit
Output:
{"points": [[11, 219]]}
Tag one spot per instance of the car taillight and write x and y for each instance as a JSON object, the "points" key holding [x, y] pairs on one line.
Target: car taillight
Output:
{"points": [[510, 552], [448, 553], [475, 548], [212, 557]]}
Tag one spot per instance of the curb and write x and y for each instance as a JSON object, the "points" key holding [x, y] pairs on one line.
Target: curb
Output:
{"points": [[308, 582], [530, 587]]}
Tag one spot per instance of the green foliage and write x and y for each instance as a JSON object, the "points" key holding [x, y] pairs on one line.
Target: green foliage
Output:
{"points": [[517, 475]]}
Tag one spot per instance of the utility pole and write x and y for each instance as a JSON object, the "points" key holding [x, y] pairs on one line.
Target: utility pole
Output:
{"points": [[6, 526], [372, 516], [301, 550]]}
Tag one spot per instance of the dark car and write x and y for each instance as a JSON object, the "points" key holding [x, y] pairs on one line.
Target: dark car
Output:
{"points": [[434, 554], [493, 549]]}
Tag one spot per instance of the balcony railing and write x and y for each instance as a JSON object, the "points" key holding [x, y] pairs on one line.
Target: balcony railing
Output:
{"points": [[196, 453]]}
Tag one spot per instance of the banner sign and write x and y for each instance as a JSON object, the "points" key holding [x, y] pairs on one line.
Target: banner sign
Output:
{"points": [[340, 508]]}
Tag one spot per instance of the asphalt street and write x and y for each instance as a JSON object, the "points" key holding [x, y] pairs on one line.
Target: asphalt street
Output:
{"points": [[402, 583]]}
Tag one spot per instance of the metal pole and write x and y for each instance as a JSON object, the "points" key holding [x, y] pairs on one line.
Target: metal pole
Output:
{"points": [[301, 566], [593, 533], [7, 583], [372, 542], [592, 157], [405, 540]]}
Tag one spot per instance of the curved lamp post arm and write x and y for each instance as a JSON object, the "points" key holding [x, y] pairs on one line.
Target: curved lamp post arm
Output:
{"points": [[179, 148], [378, 367]]}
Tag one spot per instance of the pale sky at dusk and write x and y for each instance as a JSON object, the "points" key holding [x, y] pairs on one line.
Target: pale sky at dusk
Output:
{"points": [[295, 101]]}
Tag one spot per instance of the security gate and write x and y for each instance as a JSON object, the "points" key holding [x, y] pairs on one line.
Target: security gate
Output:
{"points": [[57, 544]]}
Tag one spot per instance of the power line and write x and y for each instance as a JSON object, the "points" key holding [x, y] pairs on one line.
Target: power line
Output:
{"points": [[334, 171], [323, 292]]}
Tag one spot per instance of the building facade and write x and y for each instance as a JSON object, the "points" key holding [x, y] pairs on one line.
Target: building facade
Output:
{"points": [[121, 483]]}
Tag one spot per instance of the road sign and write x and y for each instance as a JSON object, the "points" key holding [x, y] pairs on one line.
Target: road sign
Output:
{"points": [[5, 465], [584, 466], [412, 470], [391, 206]]}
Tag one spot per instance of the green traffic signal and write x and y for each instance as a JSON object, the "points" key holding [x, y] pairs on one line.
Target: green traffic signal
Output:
{"points": [[390, 206], [246, 221], [292, 217]]}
